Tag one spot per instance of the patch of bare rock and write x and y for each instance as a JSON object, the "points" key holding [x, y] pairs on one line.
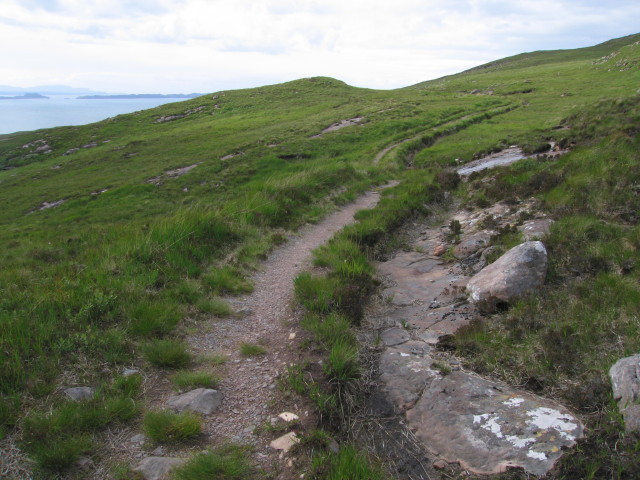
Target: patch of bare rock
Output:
{"points": [[350, 122], [186, 113], [175, 173], [459, 417]]}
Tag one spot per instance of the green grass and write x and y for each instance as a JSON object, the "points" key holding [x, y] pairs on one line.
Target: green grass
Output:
{"points": [[214, 306], [107, 276], [226, 463], [167, 354], [168, 427], [343, 364], [563, 342], [349, 464], [57, 438], [251, 350]]}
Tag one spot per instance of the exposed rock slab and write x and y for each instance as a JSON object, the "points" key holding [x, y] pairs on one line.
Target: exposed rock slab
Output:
{"points": [[394, 336], [472, 243], [157, 468], [517, 273], [404, 372], [487, 427], [625, 380], [200, 400]]}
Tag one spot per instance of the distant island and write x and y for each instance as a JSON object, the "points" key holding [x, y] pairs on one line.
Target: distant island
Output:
{"points": [[26, 96], [138, 96]]}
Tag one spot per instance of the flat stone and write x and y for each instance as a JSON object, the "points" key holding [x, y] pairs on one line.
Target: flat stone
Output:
{"points": [[285, 442], [517, 273], [488, 427], [200, 400], [404, 371], [536, 229], [472, 243], [157, 468], [394, 336], [625, 380], [80, 393], [288, 417]]}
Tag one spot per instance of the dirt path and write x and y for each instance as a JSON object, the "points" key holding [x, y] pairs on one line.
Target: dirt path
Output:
{"points": [[249, 388]]}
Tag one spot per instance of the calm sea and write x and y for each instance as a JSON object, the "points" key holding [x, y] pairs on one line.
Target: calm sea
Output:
{"points": [[59, 110]]}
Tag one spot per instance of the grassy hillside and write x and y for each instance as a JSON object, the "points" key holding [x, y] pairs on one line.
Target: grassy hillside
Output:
{"points": [[130, 228]]}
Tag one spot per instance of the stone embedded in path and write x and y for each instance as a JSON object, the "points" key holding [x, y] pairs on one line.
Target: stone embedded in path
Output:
{"points": [[285, 442], [625, 379], [80, 393], [157, 468], [517, 273], [200, 400], [487, 426]]}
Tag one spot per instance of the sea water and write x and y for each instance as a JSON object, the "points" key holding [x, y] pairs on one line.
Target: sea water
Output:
{"points": [[59, 110]]}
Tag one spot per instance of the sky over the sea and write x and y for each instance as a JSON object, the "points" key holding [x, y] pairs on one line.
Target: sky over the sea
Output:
{"points": [[182, 46]]}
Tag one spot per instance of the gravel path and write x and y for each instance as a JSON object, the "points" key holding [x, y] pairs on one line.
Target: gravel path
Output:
{"points": [[249, 388]]}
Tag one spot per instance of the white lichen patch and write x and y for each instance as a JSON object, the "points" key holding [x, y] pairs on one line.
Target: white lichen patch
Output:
{"points": [[513, 402], [490, 423], [547, 418], [536, 455]]}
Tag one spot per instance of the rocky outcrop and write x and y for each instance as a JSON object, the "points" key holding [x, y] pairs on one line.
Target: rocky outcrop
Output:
{"points": [[517, 273], [625, 379], [462, 418], [200, 400], [487, 426]]}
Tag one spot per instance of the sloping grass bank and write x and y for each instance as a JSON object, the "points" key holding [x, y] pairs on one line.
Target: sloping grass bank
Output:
{"points": [[562, 342]]}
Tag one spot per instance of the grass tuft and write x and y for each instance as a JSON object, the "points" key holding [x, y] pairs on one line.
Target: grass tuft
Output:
{"points": [[226, 463], [169, 427], [167, 354], [251, 350]]}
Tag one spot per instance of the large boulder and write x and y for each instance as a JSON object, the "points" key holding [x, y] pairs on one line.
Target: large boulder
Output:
{"points": [[517, 273], [625, 379], [489, 427]]}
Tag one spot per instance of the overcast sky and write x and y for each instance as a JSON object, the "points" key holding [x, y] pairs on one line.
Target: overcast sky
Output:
{"points": [[183, 46]]}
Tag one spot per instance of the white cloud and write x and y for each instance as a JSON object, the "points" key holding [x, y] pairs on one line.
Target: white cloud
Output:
{"points": [[203, 45]]}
